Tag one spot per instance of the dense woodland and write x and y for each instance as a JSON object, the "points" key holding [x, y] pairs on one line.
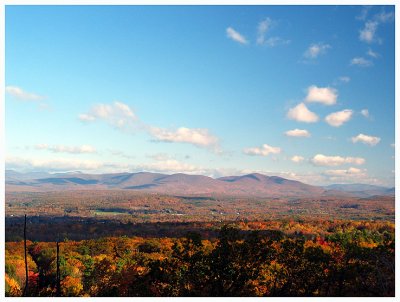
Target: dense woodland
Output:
{"points": [[128, 206], [122, 243], [259, 258]]}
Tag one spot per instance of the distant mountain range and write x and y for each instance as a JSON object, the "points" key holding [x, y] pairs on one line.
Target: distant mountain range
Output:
{"points": [[361, 190], [183, 184]]}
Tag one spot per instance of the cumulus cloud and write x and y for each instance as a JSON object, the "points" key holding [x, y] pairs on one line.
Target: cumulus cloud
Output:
{"points": [[298, 133], [366, 139], [122, 117], [337, 119], [315, 50], [323, 95], [198, 137], [301, 113], [324, 160], [297, 158], [118, 115], [67, 149], [360, 61], [19, 93], [235, 36], [264, 150]]}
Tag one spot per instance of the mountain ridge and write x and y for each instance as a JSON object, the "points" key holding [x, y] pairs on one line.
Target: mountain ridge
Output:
{"points": [[253, 184]]}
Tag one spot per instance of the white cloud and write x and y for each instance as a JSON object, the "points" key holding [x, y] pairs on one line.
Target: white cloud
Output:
{"points": [[364, 12], [65, 165], [235, 36], [67, 149], [324, 160], [344, 79], [198, 137], [384, 17], [298, 133], [372, 54], [301, 113], [323, 95], [160, 156], [264, 150], [315, 50], [366, 139], [367, 34], [365, 113], [59, 164], [86, 117], [118, 115], [337, 119], [297, 158], [170, 166], [262, 29], [122, 117], [19, 93], [120, 154], [345, 172], [350, 175], [124, 109], [360, 61], [275, 41]]}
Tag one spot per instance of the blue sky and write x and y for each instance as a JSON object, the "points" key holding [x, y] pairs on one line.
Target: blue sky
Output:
{"points": [[303, 92]]}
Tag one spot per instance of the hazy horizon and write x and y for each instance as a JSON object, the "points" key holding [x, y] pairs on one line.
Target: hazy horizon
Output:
{"points": [[77, 172]]}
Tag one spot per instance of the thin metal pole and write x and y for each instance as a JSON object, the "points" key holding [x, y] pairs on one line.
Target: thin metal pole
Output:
{"points": [[26, 262], [58, 271]]}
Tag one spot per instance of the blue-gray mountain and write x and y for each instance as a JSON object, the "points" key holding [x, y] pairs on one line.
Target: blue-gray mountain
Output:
{"points": [[246, 185]]}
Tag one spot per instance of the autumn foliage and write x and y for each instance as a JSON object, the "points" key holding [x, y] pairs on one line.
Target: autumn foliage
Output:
{"points": [[342, 258]]}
